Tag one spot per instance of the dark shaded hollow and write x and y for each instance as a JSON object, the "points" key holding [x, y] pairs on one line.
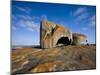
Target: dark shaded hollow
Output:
{"points": [[64, 41]]}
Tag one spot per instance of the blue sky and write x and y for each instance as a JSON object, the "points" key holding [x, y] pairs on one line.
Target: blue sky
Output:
{"points": [[26, 17]]}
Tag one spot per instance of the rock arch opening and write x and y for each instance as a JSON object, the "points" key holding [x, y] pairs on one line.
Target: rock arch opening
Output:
{"points": [[63, 41]]}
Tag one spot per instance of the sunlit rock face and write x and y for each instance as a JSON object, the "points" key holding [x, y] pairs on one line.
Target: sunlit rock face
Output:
{"points": [[52, 35], [78, 38], [65, 58]]}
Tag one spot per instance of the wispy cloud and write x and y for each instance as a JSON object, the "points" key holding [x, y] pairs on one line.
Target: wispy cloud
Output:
{"points": [[14, 28], [84, 28], [92, 20], [24, 9], [28, 17], [44, 17], [29, 25], [80, 15], [79, 11], [25, 17], [83, 19]]}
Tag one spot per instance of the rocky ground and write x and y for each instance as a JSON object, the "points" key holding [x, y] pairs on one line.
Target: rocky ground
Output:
{"points": [[66, 58]]}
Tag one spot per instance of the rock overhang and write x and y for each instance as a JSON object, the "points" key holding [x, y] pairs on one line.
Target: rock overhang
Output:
{"points": [[50, 33]]}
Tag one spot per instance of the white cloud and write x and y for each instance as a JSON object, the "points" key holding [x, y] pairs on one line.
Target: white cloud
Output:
{"points": [[28, 22], [92, 21], [83, 17], [29, 25], [14, 28], [24, 9], [30, 29], [43, 17], [84, 29], [93, 17], [25, 17], [79, 11], [13, 17], [80, 15]]}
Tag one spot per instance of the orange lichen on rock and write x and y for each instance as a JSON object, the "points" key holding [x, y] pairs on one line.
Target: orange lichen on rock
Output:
{"points": [[47, 67], [60, 28], [87, 61], [50, 34], [65, 58], [78, 38]]}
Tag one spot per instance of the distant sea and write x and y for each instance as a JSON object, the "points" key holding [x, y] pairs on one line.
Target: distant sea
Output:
{"points": [[23, 46]]}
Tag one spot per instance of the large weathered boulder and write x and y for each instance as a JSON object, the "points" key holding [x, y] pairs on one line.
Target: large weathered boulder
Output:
{"points": [[52, 35], [78, 38]]}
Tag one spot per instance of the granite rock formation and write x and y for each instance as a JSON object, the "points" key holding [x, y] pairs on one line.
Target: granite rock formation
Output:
{"points": [[52, 35], [65, 58], [78, 38]]}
